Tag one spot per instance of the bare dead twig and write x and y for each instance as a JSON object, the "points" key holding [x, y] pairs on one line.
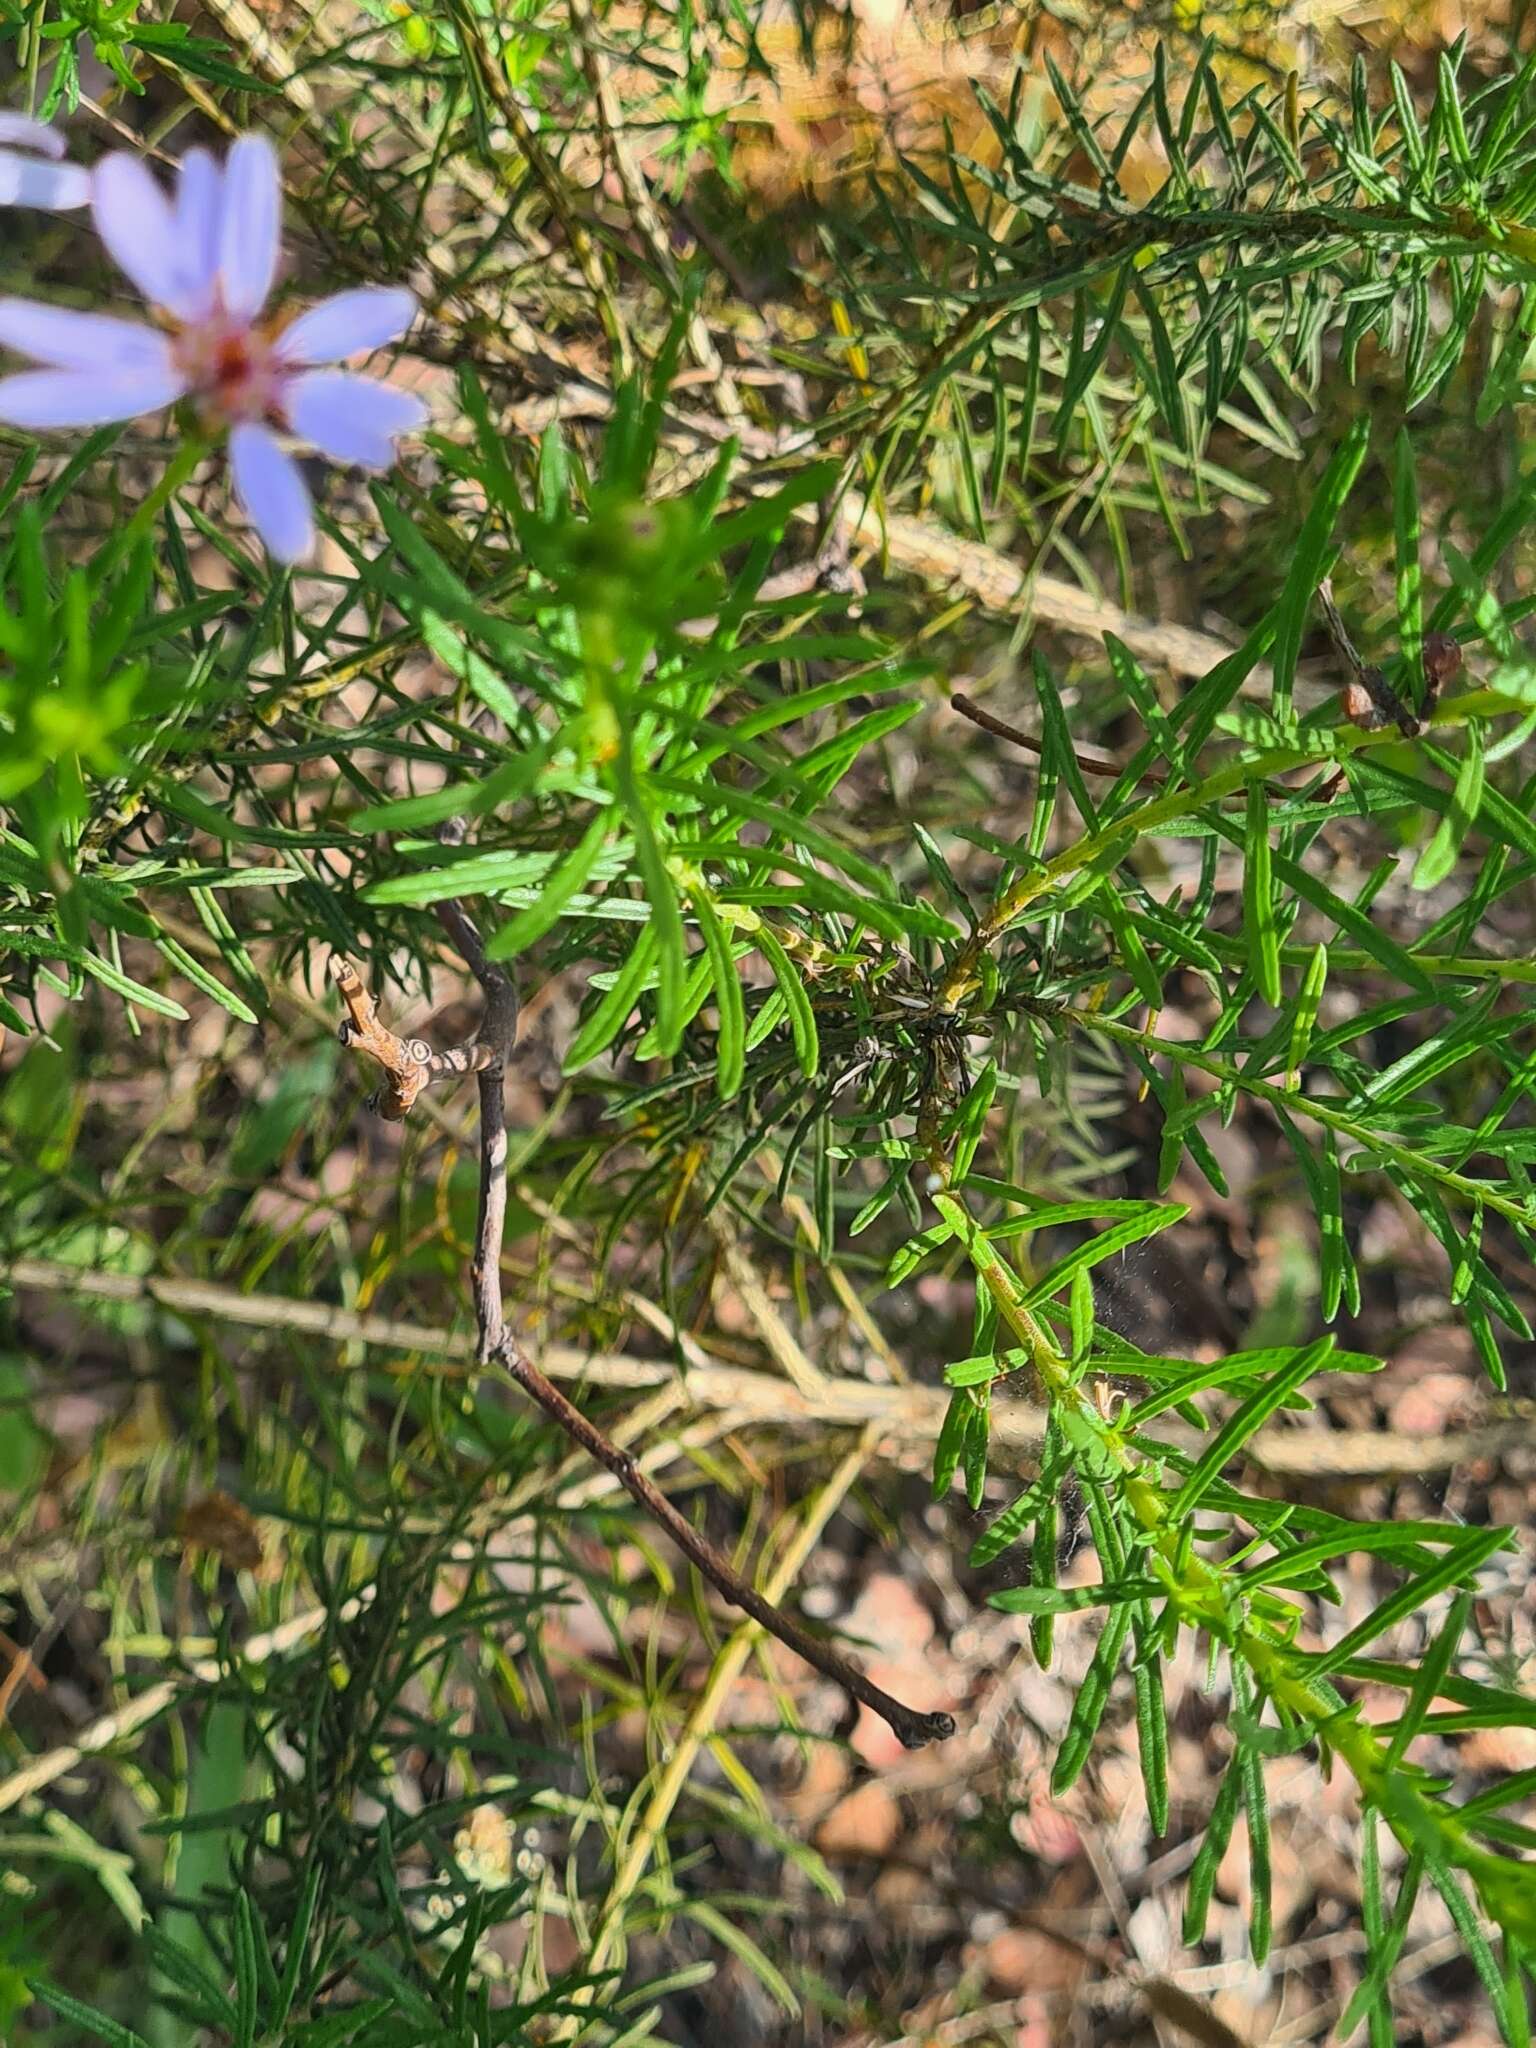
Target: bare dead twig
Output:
{"points": [[1368, 699], [404, 1060], [902, 1417], [497, 1346], [408, 1063], [913, 1729], [1091, 764]]}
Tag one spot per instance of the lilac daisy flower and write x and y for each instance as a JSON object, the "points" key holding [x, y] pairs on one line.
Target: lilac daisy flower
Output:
{"points": [[206, 265], [30, 171]]}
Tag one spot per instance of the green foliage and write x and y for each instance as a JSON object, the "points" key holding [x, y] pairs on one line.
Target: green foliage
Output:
{"points": [[1076, 333], [795, 989]]}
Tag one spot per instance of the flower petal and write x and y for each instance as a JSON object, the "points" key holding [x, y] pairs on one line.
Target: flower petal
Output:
{"points": [[134, 219], [269, 486], [81, 341], [248, 229], [26, 133], [84, 398], [347, 324], [26, 182], [351, 419], [199, 196]]}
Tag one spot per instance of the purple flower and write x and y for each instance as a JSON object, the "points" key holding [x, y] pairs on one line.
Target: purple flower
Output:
{"points": [[38, 178], [206, 264]]}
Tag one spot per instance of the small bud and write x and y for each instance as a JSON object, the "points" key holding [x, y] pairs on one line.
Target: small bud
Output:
{"points": [[1443, 660]]}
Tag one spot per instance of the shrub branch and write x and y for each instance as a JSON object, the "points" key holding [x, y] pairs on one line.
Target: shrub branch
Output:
{"points": [[497, 1346]]}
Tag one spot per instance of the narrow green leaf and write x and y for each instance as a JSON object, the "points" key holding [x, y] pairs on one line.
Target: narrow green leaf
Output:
{"points": [[1436, 1664], [1249, 1418], [1086, 358], [1309, 999], [1462, 1911], [978, 1430], [1386, 952], [1058, 755], [907, 1257], [969, 1120], [1155, 1216], [1152, 1739], [97, 2024], [942, 873], [612, 1011], [1042, 1572], [1133, 954], [1448, 107], [802, 1020], [1250, 1767], [730, 1051], [1440, 855], [123, 985], [721, 1928], [1008, 1527], [1258, 898], [298, 1941], [247, 1974], [790, 825], [1072, 1599], [1092, 1699], [1373, 1912], [459, 799], [950, 1447], [667, 922], [1406, 1544], [554, 474], [210, 984], [1080, 1315], [1202, 1872], [1460, 1561], [1410, 603], [1308, 559], [563, 883], [1370, 1995]]}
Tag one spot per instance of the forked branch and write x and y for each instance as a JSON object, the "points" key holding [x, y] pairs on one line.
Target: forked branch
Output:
{"points": [[497, 1346]]}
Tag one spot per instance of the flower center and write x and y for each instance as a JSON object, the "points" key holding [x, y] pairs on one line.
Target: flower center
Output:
{"points": [[229, 367]]}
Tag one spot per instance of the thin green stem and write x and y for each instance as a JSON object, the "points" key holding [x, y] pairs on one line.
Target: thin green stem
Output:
{"points": [[1214, 1599], [1348, 959], [1295, 1103]]}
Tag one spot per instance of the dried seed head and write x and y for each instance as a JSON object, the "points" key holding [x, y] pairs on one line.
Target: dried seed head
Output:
{"points": [[1443, 661]]}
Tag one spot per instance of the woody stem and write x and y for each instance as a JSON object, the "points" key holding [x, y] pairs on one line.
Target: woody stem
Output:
{"points": [[497, 1346]]}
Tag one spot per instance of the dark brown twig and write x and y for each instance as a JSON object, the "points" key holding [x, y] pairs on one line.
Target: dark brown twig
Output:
{"points": [[912, 1728], [496, 1346], [1367, 699], [1091, 764]]}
